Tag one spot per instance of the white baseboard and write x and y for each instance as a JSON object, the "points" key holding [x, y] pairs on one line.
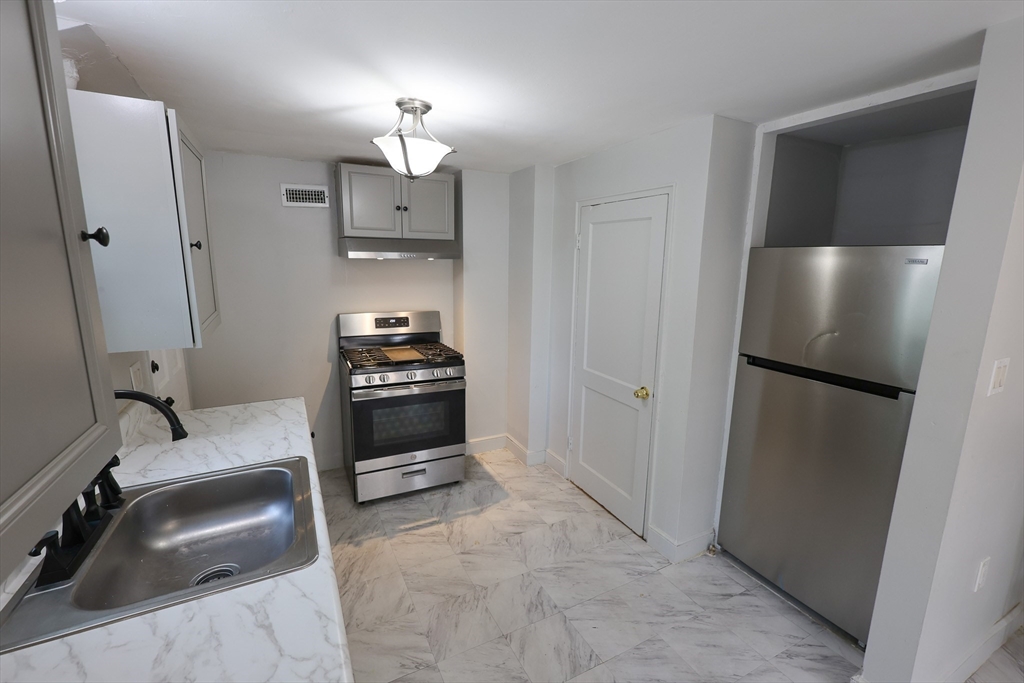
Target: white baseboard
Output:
{"points": [[674, 551], [528, 458], [536, 458], [486, 443], [555, 462], [992, 641], [517, 448]]}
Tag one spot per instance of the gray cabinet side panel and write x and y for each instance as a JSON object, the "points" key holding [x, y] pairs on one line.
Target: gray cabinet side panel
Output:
{"points": [[57, 420]]}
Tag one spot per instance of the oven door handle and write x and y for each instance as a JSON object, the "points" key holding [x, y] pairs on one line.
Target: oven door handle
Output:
{"points": [[407, 390]]}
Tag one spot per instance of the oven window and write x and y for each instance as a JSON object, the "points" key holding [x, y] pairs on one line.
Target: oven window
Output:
{"points": [[402, 424], [409, 423]]}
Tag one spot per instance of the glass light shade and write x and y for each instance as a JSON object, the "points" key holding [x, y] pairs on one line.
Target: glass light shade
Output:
{"points": [[424, 155]]}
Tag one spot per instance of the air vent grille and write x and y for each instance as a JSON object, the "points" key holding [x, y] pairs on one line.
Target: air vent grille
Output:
{"points": [[304, 195]]}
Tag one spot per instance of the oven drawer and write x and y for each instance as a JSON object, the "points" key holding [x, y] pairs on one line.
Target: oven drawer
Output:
{"points": [[423, 475]]}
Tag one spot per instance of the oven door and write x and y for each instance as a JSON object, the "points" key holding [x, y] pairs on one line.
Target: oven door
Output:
{"points": [[427, 419]]}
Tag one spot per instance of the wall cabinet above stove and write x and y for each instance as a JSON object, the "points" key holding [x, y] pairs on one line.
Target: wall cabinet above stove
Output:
{"points": [[143, 182], [376, 202]]}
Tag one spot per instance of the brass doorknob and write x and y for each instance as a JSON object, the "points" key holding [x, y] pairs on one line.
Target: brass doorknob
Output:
{"points": [[642, 393]]}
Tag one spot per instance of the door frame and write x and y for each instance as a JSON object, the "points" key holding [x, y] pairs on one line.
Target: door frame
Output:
{"points": [[670, 192]]}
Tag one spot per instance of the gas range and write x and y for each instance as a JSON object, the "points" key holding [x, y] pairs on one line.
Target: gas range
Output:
{"points": [[403, 403]]}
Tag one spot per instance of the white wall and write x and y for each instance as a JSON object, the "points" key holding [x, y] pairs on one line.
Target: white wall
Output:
{"points": [[898, 191], [679, 159], [520, 301], [732, 144], [481, 304], [281, 283], [979, 224], [805, 178], [986, 512], [531, 198]]}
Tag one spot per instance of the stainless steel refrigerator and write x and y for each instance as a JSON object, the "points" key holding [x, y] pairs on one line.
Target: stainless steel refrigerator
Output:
{"points": [[830, 350]]}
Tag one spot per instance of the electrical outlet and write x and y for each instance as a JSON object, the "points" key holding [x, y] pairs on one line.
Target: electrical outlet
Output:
{"points": [[999, 376], [136, 375], [982, 574]]}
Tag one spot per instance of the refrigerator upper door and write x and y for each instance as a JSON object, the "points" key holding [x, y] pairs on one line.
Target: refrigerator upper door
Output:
{"points": [[856, 311], [810, 481]]}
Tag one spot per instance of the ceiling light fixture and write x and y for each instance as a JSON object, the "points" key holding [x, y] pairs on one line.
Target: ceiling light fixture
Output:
{"points": [[412, 157]]}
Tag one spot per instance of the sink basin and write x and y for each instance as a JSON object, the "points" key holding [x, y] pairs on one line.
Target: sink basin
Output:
{"points": [[175, 541]]}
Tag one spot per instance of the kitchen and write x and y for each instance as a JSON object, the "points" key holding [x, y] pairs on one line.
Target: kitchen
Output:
{"points": [[281, 275]]}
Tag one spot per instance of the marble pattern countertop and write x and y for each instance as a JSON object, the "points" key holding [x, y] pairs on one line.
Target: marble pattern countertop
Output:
{"points": [[288, 627]]}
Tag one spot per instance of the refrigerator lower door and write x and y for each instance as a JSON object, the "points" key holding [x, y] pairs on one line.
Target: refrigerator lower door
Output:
{"points": [[810, 481]]}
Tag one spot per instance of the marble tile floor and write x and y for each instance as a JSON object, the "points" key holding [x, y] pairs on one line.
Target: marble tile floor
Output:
{"points": [[517, 575]]}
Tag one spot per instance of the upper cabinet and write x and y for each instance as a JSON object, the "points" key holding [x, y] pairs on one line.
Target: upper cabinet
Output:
{"points": [[377, 202], [143, 182], [58, 423]]}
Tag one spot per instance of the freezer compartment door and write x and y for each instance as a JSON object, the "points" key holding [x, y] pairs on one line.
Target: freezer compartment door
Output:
{"points": [[856, 311], [810, 481]]}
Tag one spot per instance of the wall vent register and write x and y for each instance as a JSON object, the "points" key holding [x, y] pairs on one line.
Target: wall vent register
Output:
{"points": [[304, 195]]}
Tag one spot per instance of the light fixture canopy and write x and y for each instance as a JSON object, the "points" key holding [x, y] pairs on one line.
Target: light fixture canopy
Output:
{"points": [[410, 156]]}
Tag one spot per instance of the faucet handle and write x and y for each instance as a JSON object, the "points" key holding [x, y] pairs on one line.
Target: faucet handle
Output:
{"points": [[75, 527], [92, 511], [110, 491], [49, 541]]}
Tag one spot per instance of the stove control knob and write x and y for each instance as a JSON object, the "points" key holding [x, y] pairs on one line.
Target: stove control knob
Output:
{"points": [[369, 379], [384, 378], [449, 372], [436, 373], [411, 375]]}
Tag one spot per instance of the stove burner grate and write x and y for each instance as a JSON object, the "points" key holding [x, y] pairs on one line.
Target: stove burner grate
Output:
{"points": [[367, 358], [436, 351]]}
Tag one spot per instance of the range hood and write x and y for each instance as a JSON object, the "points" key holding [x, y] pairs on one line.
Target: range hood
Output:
{"points": [[380, 248]]}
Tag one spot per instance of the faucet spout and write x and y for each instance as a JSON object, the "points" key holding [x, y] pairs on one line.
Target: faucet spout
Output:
{"points": [[177, 431]]}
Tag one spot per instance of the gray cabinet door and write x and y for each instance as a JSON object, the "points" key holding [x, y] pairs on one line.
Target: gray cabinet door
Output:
{"points": [[143, 277], [371, 201], [58, 424], [431, 202], [190, 188]]}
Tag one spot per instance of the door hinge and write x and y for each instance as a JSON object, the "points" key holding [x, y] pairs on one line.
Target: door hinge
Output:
{"points": [[570, 443], [579, 237]]}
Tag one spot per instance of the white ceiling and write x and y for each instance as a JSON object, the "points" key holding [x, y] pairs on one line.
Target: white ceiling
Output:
{"points": [[517, 83]]}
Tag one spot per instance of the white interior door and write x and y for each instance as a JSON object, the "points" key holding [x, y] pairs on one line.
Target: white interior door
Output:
{"points": [[618, 296]]}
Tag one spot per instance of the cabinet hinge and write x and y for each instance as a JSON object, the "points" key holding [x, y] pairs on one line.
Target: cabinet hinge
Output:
{"points": [[570, 443], [579, 238]]}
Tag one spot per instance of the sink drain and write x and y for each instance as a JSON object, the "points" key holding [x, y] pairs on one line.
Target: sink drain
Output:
{"points": [[221, 571]]}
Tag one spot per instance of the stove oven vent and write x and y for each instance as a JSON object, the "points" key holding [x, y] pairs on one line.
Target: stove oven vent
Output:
{"points": [[304, 195]]}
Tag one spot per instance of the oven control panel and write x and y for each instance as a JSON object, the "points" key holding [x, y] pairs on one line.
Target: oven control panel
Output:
{"points": [[406, 377], [385, 323]]}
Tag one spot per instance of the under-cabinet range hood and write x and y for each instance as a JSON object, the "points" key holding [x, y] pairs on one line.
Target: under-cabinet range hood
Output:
{"points": [[386, 248]]}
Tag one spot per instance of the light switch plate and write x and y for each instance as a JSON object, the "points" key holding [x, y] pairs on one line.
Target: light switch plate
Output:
{"points": [[136, 375], [982, 574], [999, 376]]}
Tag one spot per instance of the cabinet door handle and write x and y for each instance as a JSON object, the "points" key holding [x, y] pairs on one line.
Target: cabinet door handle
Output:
{"points": [[405, 208], [101, 236], [398, 208], [198, 244]]}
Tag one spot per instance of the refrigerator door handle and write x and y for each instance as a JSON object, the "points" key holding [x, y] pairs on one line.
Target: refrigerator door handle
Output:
{"points": [[854, 383]]}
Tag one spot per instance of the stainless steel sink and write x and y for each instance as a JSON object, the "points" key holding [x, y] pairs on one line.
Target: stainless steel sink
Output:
{"points": [[175, 541]]}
